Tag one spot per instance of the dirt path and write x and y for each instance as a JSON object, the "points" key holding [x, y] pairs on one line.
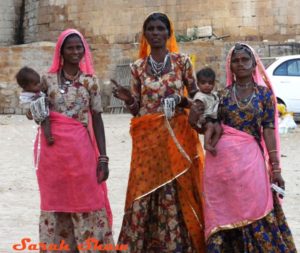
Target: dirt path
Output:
{"points": [[19, 197]]}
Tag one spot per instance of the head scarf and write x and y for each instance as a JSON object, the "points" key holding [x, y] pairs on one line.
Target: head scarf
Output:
{"points": [[260, 77], [171, 42], [86, 63]]}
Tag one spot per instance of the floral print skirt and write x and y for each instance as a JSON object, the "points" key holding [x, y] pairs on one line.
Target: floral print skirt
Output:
{"points": [[74, 230], [270, 234], [155, 224]]}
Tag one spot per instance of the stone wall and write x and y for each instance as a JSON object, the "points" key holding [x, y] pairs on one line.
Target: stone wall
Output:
{"points": [[106, 59], [112, 28], [9, 21], [35, 55], [115, 21]]}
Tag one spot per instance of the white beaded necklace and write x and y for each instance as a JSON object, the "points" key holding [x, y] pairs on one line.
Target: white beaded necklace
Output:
{"points": [[158, 67]]}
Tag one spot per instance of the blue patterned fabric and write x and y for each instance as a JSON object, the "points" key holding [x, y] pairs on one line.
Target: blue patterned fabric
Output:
{"points": [[259, 113], [270, 234]]}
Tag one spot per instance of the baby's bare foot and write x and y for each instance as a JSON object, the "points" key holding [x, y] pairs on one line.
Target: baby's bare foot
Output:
{"points": [[210, 149]]}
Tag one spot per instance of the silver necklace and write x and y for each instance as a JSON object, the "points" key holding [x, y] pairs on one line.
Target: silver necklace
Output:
{"points": [[245, 86], [158, 67], [63, 86], [237, 102], [68, 81]]}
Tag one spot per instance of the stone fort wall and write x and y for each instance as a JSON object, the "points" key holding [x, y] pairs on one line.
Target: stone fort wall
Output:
{"points": [[119, 21], [112, 28]]}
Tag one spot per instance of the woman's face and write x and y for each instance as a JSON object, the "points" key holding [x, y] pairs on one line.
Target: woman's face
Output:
{"points": [[156, 34], [242, 64], [73, 50]]}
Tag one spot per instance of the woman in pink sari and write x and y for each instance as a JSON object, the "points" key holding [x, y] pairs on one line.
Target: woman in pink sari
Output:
{"points": [[241, 212], [72, 172]]}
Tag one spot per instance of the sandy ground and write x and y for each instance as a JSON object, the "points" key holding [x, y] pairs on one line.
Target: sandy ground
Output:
{"points": [[19, 196]]}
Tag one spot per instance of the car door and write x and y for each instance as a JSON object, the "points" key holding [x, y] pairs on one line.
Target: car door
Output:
{"points": [[287, 79]]}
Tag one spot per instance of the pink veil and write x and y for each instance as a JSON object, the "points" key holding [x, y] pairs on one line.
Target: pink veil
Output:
{"points": [[86, 64], [261, 78]]}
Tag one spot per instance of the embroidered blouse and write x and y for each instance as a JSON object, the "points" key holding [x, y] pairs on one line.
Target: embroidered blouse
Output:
{"points": [[76, 99], [149, 90], [250, 119]]}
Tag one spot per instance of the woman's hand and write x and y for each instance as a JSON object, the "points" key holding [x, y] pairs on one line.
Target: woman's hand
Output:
{"points": [[122, 93], [176, 97], [278, 180], [102, 171]]}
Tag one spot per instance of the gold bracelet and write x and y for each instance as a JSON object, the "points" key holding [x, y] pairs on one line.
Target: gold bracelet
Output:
{"points": [[276, 171], [273, 151], [274, 163], [131, 106]]}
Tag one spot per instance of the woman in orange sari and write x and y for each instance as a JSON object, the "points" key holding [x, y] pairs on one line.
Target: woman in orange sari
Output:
{"points": [[163, 210]]}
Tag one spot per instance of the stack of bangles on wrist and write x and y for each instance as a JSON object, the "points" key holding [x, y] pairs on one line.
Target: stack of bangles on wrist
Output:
{"points": [[278, 169], [103, 159], [273, 151], [133, 105]]}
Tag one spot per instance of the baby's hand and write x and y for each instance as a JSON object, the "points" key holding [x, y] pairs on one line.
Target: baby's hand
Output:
{"points": [[50, 140], [29, 115]]}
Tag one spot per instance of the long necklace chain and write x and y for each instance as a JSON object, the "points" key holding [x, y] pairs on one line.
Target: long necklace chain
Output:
{"points": [[158, 67], [237, 102]]}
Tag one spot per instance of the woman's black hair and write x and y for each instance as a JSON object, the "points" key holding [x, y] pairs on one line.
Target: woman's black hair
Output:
{"points": [[158, 16], [72, 35]]}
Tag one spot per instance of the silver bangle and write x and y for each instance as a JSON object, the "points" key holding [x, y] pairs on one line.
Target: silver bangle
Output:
{"points": [[132, 105]]}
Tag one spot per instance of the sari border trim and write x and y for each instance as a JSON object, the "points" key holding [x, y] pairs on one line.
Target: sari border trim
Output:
{"points": [[195, 214], [178, 145], [167, 182], [235, 225]]}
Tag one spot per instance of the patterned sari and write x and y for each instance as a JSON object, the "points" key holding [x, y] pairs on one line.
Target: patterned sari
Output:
{"points": [[244, 217], [163, 211], [163, 205]]}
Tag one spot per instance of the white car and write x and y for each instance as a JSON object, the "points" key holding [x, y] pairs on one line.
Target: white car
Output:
{"points": [[284, 73]]}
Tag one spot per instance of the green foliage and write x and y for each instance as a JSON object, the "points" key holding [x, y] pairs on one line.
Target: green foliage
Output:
{"points": [[185, 38]]}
